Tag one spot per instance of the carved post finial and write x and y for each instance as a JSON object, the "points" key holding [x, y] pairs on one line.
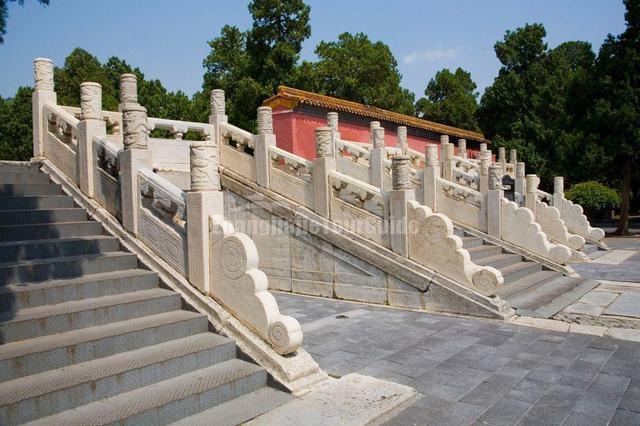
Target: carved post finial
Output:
{"points": [[43, 74], [558, 185], [135, 129], [128, 88], [431, 155], [502, 154], [483, 148], [513, 156], [495, 177], [401, 172], [485, 160], [462, 148], [402, 142], [378, 137], [90, 101], [324, 145], [532, 184], [217, 102], [448, 151], [265, 120], [372, 125], [444, 139], [520, 169], [332, 121], [203, 160]]}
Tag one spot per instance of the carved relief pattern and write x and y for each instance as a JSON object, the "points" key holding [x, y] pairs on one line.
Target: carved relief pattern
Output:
{"points": [[291, 166], [401, 172], [324, 145], [217, 102], [204, 168], [332, 121], [358, 196], [461, 194], [265, 120], [355, 153], [378, 137], [90, 101], [128, 88], [431, 155], [136, 130], [166, 206], [43, 74], [495, 177]]}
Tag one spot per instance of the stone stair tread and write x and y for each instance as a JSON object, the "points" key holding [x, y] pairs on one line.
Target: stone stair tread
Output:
{"points": [[239, 410], [497, 258], [55, 240], [582, 287], [110, 254], [83, 305], [30, 189], [75, 337], [516, 267], [545, 293], [525, 283], [160, 394], [87, 278], [30, 216], [46, 382]]}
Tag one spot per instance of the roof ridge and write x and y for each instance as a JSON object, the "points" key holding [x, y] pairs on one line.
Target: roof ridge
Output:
{"points": [[316, 99]]}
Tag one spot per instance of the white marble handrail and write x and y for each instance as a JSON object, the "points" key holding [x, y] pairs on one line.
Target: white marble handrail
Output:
{"points": [[358, 154], [166, 196], [236, 134], [112, 118], [465, 165], [179, 128], [62, 123], [459, 192], [110, 147], [290, 163], [545, 196], [359, 194]]}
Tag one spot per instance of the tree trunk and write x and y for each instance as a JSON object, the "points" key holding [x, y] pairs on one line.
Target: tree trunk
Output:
{"points": [[623, 224]]}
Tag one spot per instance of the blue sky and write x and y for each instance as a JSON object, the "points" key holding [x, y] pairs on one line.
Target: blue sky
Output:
{"points": [[168, 39]]}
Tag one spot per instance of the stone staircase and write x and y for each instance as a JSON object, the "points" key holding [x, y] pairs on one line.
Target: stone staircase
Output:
{"points": [[88, 336], [529, 287]]}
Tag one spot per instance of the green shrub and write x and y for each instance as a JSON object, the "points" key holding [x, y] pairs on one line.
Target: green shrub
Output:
{"points": [[594, 197]]}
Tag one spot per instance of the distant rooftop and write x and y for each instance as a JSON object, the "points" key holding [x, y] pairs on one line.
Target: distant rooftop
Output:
{"points": [[289, 97]]}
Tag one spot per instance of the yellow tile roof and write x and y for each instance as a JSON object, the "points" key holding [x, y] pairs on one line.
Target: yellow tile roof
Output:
{"points": [[290, 97]]}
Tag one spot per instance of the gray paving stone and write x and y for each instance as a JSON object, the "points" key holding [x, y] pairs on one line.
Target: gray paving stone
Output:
{"points": [[625, 418], [537, 416], [528, 391], [504, 412], [599, 298], [631, 397], [545, 373], [485, 394], [627, 304], [580, 419]]}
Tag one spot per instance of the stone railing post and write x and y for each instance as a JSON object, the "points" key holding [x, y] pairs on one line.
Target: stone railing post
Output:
{"points": [[494, 199], [44, 93], [558, 193], [324, 164], [402, 141], [218, 114], [483, 149], [128, 91], [135, 136], [90, 126], [431, 175], [531, 196], [447, 162], [333, 124], [513, 157], [372, 126], [485, 161], [263, 141], [204, 199], [377, 157], [502, 159], [399, 196], [462, 148], [444, 141], [520, 181]]}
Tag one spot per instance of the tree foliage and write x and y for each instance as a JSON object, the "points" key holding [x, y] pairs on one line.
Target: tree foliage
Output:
{"points": [[593, 196], [16, 126], [450, 98]]}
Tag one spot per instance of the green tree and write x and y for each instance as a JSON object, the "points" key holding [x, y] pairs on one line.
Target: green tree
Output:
{"points": [[249, 65], [616, 109], [16, 126], [4, 14], [450, 98], [356, 69]]}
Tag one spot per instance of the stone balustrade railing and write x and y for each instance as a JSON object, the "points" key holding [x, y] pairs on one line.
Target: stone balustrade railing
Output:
{"points": [[112, 119], [184, 229]]}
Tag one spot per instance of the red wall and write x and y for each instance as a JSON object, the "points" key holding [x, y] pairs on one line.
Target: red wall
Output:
{"points": [[295, 132]]}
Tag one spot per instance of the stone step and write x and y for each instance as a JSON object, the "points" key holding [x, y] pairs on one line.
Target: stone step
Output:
{"points": [[21, 217], [58, 390], [47, 231], [551, 297], [239, 410], [527, 282], [499, 261], [20, 168], [169, 400], [36, 202], [16, 297], [45, 353], [484, 251], [516, 271], [65, 267], [589, 248], [23, 177], [14, 251], [29, 189], [459, 232], [50, 319], [469, 242]]}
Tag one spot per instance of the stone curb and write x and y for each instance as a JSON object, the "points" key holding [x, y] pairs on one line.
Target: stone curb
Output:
{"points": [[630, 334]]}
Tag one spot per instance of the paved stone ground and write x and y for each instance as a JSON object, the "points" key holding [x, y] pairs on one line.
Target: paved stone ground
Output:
{"points": [[474, 371]]}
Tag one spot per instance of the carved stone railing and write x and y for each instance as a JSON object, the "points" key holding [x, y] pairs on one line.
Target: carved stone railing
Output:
{"points": [[552, 224], [237, 150], [577, 222], [353, 160], [107, 175], [112, 119], [177, 129], [291, 176], [60, 141], [460, 203]]}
